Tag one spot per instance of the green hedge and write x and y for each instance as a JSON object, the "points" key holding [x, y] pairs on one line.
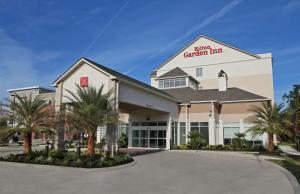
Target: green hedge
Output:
{"points": [[71, 159], [223, 147]]}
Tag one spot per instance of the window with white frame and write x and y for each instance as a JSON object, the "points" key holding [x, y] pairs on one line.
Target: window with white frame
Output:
{"points": [[200, 127], [172, 83], [193, 85], [182, 132], [199, 72]]}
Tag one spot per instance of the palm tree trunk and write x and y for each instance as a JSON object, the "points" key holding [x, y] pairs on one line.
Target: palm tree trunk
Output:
{"points": [[270, 143], [90, 147], [27, 143]]}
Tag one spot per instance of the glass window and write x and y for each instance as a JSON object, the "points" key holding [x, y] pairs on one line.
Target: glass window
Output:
{"points": [[172, 83], [182, 82], [161, 143], [167, 84], [135, 134], [144, 133], [174, 134], [153, 143], [200, 127], [199, 72], [182, 133], [136, 142], [135, 124], [144, 143], [161, 134], [153, 134], [149, 138], [177, 83], [161, 84], [162, 123]]}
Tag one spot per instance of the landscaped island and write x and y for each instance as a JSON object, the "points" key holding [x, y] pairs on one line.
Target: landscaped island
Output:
{"points": [[71, 159]]}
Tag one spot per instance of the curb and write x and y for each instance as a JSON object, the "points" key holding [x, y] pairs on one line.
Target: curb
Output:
{"points": [[292, 179], [102, 169]]}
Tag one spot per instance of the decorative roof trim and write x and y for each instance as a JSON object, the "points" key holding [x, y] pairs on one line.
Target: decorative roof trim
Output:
{"points": [[28, 88]]}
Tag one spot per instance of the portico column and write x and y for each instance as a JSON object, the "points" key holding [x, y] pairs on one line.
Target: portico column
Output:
{"points": [[221, 132], [212, 126], [129, 133], [168, 143]]}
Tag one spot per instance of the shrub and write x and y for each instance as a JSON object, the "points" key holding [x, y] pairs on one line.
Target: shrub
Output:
{"points": [[183, 147], [40, 160], [123, 141], [57, 154], [101, 144], [196, 140], [239, 142], [68, 159]]}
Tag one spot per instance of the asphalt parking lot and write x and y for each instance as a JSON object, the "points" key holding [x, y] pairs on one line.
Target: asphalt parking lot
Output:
{"points": [[163, 172]]}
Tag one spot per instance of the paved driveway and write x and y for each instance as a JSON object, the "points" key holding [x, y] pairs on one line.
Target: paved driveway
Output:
{"points": [[164, 172]]}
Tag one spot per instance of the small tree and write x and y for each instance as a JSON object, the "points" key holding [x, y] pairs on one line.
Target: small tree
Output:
{"points": [[30, 115], [292, 99], [268, 119], [196, 140], [90, 108]]}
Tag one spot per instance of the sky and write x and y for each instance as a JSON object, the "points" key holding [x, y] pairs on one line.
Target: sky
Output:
{"points": [[40, 39]]}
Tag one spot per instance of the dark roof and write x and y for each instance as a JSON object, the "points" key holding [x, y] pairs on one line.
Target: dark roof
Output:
{"points": [[154, 73], [127, 78], [185, 95], [174, 73]]}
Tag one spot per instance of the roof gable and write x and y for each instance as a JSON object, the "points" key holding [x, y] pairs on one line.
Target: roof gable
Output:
{"points": [[174, 73], [110, 73], [204, 50]]}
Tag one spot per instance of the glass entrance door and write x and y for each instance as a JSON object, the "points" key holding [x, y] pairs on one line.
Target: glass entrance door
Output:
{"points": [[149, 135]]}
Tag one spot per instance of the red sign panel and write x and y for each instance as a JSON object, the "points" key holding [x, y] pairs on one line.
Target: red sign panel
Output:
{"points": [[84, 82]]}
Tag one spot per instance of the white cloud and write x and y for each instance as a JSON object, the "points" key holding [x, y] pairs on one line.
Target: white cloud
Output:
{"points": [[16, 65], [291, 6]]}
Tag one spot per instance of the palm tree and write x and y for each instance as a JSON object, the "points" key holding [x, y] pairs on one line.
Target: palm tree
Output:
{"points": [[90, 108], [268, 119], [30, 115]]}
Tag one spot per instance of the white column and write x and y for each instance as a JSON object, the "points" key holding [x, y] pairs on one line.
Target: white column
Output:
{"points": [[168, 146], [212, 126], [129, 133], [221, 132], [178, 133], [242, 128], [211, 131]]}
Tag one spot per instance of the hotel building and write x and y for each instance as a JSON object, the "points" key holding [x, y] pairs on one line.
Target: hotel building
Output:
{"points": [[208, 86]]}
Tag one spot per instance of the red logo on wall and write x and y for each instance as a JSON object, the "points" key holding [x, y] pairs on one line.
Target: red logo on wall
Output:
{"points": [[84, 82], [202, 50]]}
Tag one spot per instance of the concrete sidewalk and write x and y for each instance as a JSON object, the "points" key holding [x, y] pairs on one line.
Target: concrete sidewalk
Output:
{"points": [[289, 150]]}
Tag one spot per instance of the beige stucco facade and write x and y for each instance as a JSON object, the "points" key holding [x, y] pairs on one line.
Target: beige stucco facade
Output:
{"points": [[155, 118], [134, 102], [246, 71]]}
